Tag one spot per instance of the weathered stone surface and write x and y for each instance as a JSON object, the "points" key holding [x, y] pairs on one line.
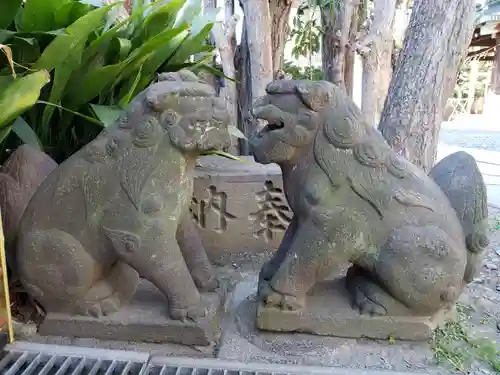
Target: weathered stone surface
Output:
{"points": [[328, 312], [118, 209], [356, 201], [145, 319], [238, 207], [20, 176]]}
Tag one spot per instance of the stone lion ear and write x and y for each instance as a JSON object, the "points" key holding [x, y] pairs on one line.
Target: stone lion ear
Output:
{"points": [[315, 95]]}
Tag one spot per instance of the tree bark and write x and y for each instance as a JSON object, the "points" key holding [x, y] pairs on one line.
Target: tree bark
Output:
{"points": [[244, 88], [223, 34], [336, 22], [258, 39], [435, 44], [279, 11], [376, 50], [357, 18]]}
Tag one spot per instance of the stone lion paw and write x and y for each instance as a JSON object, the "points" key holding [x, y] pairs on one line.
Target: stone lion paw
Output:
{"points": [[209, 285], [104, 307], [191, 313], [365, 301], [272, 298]]}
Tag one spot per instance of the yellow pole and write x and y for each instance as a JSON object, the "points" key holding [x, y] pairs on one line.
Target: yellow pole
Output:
{"points": [[5, 283]]}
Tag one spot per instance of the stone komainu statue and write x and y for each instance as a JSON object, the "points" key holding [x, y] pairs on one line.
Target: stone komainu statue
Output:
{"points": [[117, 209], [413, 240]]}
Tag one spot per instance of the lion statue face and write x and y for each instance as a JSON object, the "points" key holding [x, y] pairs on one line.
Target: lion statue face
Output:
{"points": [[293, 109], [187, 108]]}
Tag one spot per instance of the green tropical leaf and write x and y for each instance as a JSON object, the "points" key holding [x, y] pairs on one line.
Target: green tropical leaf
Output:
{"points": [[189, 11], [38, 15], [94, 83], [8, 13], [69, 12], [88, 118], [5, 35], [158, 59], [160, 19], [128, 95], [26, 133], [191, 45], [59, 49], [62, 74], [21, 95], [106, 114]]}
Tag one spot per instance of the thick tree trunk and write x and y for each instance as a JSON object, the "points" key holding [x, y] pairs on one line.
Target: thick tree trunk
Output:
{"points": [[244, 88], [336, 22], [357, 18], [279, 11], [436, 41], [376, 50], [223, 35], [258, 38]]}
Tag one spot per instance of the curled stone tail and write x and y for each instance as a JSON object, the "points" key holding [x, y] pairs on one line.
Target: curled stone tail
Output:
{"points": [[459, 178]]}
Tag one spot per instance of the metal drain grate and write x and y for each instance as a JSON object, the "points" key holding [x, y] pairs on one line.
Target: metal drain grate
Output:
{"points": [[22, 358], [37, 359]]}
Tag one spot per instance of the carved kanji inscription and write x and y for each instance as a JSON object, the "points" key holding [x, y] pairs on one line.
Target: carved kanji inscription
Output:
{"points": [[273, 214]]}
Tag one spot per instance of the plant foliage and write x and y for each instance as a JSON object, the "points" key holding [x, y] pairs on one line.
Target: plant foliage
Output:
{"points": [[97, 62]]}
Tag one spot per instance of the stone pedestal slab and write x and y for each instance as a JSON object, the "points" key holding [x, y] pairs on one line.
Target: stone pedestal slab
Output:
{"points": [[239, 207], [328, 313], [146, 319]]}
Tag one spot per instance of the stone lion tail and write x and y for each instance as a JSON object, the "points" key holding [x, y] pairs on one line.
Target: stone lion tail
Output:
{"points": [[459, 178], [20, 177]]}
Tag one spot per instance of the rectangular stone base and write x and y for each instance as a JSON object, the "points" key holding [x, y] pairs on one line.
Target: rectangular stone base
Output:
{"points": [[145, 319], [328, 313]]}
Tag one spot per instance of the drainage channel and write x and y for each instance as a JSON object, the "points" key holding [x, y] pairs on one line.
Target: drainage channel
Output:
{"points": [[23, 358]]}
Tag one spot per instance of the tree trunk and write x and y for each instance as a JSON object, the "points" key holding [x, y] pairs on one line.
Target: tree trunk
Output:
{"points": [[223, 34], [279, 11], [336, 22], [435, 44], [350, 53], [376, 50], [258, 40], [244, 88]]}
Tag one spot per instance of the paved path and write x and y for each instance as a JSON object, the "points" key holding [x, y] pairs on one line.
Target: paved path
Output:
{"points": [[479, 137]]}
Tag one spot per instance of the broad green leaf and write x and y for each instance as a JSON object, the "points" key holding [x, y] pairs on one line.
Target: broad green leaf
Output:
{"points": [[38, 15], [106, 114], [62, 74], [25, 50], [94, 83], [59, 49], [141, 54], [69, 12], [21, 95], [191, 45], [189, 11], [159, 19], [159, 58], [118, 50], [8, 54], [209, 16], [108, 35], [128, 95], [8, 13], [88, 118], [26, 133], [5, 35]]}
